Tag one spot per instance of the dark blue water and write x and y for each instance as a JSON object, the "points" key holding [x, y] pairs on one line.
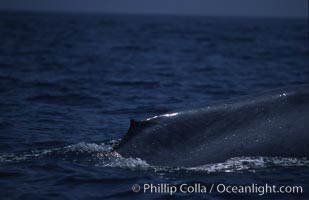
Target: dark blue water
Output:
{"points": [[70, 83]]}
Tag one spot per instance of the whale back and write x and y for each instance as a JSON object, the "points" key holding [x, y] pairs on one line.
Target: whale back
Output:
{"points": [[268, 124]]}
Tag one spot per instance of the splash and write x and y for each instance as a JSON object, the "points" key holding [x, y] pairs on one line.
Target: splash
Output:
{"points": [[252, 164], [102, 155]]}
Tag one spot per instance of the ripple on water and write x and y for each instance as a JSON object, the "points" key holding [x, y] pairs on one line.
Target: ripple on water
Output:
{"points": [[101, 155]]}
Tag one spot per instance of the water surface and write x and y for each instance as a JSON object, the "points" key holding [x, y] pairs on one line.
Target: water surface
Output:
{"points": [[70, 83]]}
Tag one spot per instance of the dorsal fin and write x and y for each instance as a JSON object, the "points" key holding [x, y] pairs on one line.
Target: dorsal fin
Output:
{"points": [[135, 127], [134, 124]]}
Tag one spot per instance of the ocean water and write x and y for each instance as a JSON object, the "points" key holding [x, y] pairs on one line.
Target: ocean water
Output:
{"points": [[70, 83]]}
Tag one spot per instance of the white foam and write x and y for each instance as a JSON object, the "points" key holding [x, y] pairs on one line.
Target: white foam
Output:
{"points": [[101, 155]]}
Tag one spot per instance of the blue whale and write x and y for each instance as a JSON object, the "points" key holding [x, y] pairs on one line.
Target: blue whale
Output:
{"points": [[274, 123]]}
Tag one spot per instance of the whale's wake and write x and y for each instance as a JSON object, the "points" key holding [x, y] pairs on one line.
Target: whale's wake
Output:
{"points": [[102, 155]]}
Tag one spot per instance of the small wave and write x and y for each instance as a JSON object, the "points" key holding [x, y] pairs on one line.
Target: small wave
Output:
{"points": [[72, 99], [252, 164], [136, 48], [101, 155], [143, 84], [70, 151]]}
